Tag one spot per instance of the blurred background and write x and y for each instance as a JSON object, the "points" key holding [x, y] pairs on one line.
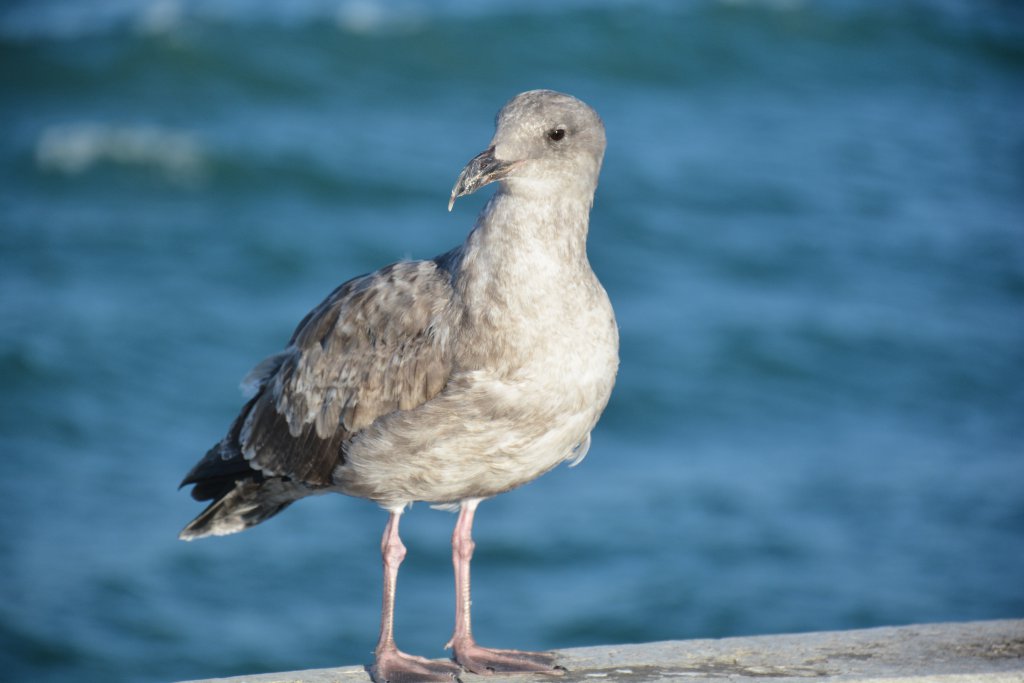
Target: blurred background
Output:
{"points": [[810, 221]]}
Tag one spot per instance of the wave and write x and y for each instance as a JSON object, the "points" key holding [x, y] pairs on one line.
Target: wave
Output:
{"points": [[72, 19], [183, 158], [75, 148], [68, 19]]}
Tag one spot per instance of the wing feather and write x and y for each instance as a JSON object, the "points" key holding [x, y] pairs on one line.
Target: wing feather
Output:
{"points": [[377, 344]]}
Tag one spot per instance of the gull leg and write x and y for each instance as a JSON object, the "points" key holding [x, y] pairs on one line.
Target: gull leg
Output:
{"points": [[473, 657], [391, 665]]}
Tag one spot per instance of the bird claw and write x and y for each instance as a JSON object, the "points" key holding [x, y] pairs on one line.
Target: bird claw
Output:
{"points": [[483, 660], [394, 666]]}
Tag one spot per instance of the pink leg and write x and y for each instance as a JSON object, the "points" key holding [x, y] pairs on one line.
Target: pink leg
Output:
{"points": [[472, 657], [392, 665]]}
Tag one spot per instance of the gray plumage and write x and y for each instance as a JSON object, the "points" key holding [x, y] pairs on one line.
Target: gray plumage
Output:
{"points": [[444, 380]]}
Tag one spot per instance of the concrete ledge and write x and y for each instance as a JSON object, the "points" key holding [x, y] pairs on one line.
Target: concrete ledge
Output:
{"points": [[974, 652]]}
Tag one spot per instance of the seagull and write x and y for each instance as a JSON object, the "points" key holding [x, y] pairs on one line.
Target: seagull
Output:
{"points": [[445, 381]]}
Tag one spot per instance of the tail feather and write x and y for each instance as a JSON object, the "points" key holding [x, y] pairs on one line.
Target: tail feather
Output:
{"points": [[241, 495], [216, 475], [247, 504], [217, 472]]}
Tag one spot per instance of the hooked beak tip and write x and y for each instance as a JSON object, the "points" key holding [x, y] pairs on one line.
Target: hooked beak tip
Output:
{"points": [[481, 170]]}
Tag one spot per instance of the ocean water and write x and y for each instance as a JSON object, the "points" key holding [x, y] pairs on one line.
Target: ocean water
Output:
{"points": [[810, 222]]}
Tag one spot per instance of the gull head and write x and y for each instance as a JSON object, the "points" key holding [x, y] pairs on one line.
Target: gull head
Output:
{"points": [[545, 143]]}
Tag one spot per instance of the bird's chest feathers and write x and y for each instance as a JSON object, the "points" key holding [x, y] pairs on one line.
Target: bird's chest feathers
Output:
{"points": [[547, 323]]}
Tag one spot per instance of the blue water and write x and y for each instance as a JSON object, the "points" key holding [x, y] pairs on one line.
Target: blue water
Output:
{"points": [[810, 221]]}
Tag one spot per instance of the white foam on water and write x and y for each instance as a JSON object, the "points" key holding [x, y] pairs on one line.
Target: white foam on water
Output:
{"points": [[76, 148]]}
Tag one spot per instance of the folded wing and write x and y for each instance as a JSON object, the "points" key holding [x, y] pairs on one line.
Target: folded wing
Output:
{"points": [[378, 343]]}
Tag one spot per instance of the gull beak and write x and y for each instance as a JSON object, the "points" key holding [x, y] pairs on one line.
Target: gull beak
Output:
{"points": [[481, 170]]}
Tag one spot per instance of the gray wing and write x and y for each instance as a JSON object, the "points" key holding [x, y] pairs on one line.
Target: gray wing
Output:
{"points": [[377, 344]]}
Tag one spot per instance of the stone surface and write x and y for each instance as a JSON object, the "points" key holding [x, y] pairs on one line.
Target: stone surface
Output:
{"points": [[982, 652]]}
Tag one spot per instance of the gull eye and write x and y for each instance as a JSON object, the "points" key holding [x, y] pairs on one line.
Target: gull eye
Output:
{"points": [[556, 134]]}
